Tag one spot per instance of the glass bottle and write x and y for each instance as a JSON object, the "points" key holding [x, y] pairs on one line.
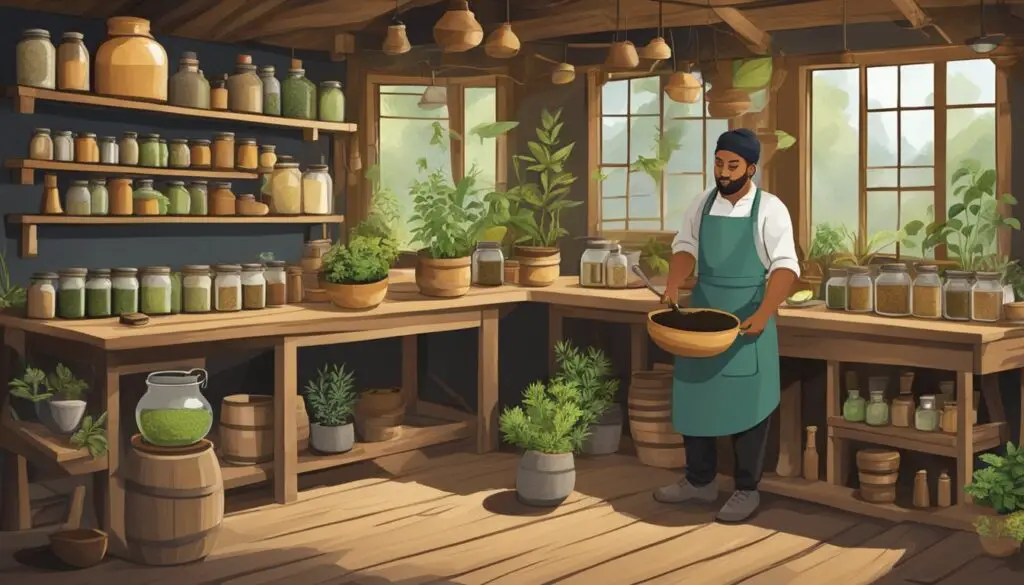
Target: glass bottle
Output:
{"points": [[178, 198], [488, 264], [178, 154], [592, 262], [173, 412], [155, 290], [332, 102], [36, 59], [121, 196], [927, 296], [71, 293], [987, 297], [197, 289], [893, 291], [277, 283], [956, 296], [200, 155], [271, 91], [927, 416], [63, 146], [149, 150], [254, 287], [41, 296], [78, 201], [859, 290], [902, 407], [97, 293], [877, 412], [86, 149], [99, 199], [228, 288], [128, 149], [286, 187], [854, 408], [948, 417], [198, 194], [298, 94], [124, 292], [219, 94], [317, 190], [835, 289], [108, 150], [616, 269], [245, 90], [40, 147], [188, 87], [72, 63]]}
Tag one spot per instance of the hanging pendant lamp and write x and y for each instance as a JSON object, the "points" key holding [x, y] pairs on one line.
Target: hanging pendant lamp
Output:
{"points": [[657, 49], [565, 72], [458, 30], [503, 43], [622, 54], [683, 86], [434, 97], [397, 41]]}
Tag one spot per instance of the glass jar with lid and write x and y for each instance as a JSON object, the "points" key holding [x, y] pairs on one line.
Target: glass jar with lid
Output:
{"points": [[854, 408], [198, 194], [36, 59], [927, 297], [268, 157], [124, 293], [277, 283], [128, 149], [956, 295], [835, 289], [71, 293], [876, 413], [40, 147], [179, 202], [286, 187], [893, 291], [86, 149], [72, 63], [218, 94], [178, 154], [78, 200], [221, 199], [165, 153], [298, 94], [200, 156], [987, 297], [227, 293], [155, 290], [63, 146], [592, 262], [317, 190], [224, 151], [245, 90], [97, 293], [271, 91], [616, 268], [948, 417], [332, 102], [254, 287], [859, 290], [41, 296], [149, 150], [108, 150], [196, 289], [173, 412], [488, 264], [188, 87], [926, 418], [247, 155], [99, 199]]}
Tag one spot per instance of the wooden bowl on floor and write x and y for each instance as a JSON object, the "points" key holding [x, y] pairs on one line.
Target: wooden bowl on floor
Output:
{"points": [[691, 344], [82, 548]]}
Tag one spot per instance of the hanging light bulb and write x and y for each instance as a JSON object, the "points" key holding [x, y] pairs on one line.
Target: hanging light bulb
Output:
{"points": [[503, 43], [984, 43], [657, 49], [458, 30]]}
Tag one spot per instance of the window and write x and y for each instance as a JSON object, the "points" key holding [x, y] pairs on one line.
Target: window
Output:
{"points": [[405, 130], [878, 165], [635, 117]]}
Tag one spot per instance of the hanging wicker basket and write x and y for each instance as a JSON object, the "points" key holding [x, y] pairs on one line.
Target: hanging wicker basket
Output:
{"points": [[563, 74], [622, 55], [727, 103], [458, 30], [503, 43], [684, 88], [397, 41], [656, 50]]}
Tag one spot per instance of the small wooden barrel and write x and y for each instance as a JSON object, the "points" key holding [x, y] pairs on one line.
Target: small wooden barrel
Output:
{"points": [[650, 420], [879, 470], [174, 502], [247, 429]]}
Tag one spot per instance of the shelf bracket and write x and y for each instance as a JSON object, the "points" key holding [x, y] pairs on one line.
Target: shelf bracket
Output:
{"points": [[24, 104], [310, 134], [29, 240], [24, 176]]}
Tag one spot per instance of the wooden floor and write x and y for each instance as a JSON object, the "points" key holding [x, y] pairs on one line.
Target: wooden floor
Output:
{"points": [[452, 518]]}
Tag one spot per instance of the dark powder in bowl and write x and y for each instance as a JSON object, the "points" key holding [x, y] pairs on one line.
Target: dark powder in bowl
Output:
{"points": [[700, 321]]}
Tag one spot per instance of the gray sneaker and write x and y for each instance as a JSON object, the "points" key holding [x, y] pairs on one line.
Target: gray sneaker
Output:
{"points": [[684, 491], [739, 507]]}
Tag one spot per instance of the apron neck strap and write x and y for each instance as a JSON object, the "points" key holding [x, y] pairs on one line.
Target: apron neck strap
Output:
{"points": [[755, 206]]}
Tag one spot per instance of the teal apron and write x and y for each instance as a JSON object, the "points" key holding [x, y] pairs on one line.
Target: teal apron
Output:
{"points": [[731, 392]]}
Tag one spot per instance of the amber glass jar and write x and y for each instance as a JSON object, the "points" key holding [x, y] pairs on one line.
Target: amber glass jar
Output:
{"points": [[219, 94], [199, 154], [86, 148], [245, 90], [221, 200], [268, 157], [247, 158], [119, 190], [224, 151], [73, 63], [131, 63]]}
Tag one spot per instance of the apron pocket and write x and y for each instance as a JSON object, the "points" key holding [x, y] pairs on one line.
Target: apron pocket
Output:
{"points": [[743, 361]]}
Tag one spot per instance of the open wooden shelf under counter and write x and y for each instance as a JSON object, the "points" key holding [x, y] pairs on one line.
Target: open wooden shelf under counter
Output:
{"points": [[36, 443], [25, 170], [24, 99], [986, 437]]}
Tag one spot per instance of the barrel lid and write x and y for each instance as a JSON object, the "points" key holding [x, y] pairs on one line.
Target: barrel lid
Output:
{"points": [[140, 444], [878, 455]]}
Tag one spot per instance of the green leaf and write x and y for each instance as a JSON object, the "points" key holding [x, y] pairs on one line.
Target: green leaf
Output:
{"points": [[987, 181], [786, 141], [547, 121], [753, 73], [955, 210], [492, 129], [959, 174], [1013, 222], [913, 228], [1007, 199]]}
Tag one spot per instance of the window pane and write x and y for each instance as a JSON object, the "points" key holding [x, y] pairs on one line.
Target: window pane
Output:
{"points": [[835, 147], [615, 98], [714, 129], [917, 137], [917, 177], [883, 87], [614, 148], [613, 209], [644, 197], [416, 90], [689, 157], [481, 104], [407, 106], [877, 178], [402, 142], [613, 225], [971, 82], [970, 134], [883, 215], [643, 137], [917, 85], [645, 95], [647, 226], [916, 205], [614, 184], [680, 191], [882, 139]]}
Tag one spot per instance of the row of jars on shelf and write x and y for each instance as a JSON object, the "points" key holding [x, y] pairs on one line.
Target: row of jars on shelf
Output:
{"points": [[248, 90], [604, 265], [222, 153], [932, 412], [78, 293], [965, 296]]}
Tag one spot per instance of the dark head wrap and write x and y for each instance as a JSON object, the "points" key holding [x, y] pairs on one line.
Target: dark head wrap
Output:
{"points": [[743, 142]]}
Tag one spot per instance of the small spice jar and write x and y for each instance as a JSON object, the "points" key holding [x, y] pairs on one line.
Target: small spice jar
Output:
{"points": [[86, 149], [40, 147], [198, 194], [41, 297], [268, 157], [295, 288], [616, 269], [956, 296], [277, 283], [835, 289], [178, 154], [78, 200], [63, 146], [893, 291], [222, 200], [121, 196], [71, 293], [73, 63], [155, 290], [247, 155], [164, 153], [149, 150], [948, 420], [124, 291], [224, 151], [855, 407], [197, 289], [227, 288], [859, 290], [108, 150], [254, 287], [488, 264], [128, 149], [987, 297], [99, 199], [902, 408], [219, 94], [927, 297], [199, 154], [876, 413], [592, 263], [97, 293], [36, 59], [271, 91], [332, 102], [927, 416]]}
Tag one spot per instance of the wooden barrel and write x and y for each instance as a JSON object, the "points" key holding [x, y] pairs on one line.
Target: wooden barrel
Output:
{"points": [[246, 429], [174, 502], [650, 420], [878, 471]]}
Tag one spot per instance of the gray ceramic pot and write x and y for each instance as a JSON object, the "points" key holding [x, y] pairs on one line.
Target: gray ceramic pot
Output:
{"points": [[544, 479], [331, 439], [66, 415], [606, 433]]}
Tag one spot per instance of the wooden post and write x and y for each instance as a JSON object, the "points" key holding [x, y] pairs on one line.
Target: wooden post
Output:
{"points": [[835, 453], [964, 434], [487, 382], [113, 511], [286, 447], [789, 431]]}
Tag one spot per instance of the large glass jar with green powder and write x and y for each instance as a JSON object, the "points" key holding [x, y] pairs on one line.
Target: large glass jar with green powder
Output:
{"points": [[179, 200], [198, 193], [97, 293], [197, 289], [271, 91], [149, 150], [298, 96], [854, 409], [835, 289], [124, 291], [173, 412], [99, 198], [71, 293], [332, 102], [155, 290]]}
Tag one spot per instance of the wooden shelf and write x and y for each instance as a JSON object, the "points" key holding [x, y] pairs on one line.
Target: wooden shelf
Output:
{"points": [[34, 442], [30, 223], [26, 168], [986, 437], [24, 99]]}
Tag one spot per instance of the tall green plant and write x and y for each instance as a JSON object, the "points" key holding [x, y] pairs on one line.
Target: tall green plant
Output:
{"points": [[590, 371], [547, 421], [331, 396]]}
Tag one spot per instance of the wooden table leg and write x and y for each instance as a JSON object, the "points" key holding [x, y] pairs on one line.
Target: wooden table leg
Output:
{"points": [[638, 347], [487, 383], [17, 507], [964, 434], [410, 372], [286, 448], [994, 404], [789, 431], [113, 511], [555, 334], [837, 465]]}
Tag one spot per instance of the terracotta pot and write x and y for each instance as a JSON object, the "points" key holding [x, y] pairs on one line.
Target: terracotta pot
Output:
{"points": [[538, 266], [444, 277], [503, 43], [458, 30], [1000, 546], [357, 296], [511, 272], [684, 88], [131, 63]]}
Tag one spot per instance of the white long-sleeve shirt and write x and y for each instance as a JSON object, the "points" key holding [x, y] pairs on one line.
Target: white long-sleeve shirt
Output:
{"points": [[773, 230]]}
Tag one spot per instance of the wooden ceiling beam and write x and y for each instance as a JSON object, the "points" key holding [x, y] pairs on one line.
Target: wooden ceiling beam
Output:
{"points": [[238, 22], [759, 41], [203, 24], [324, 14], [912, 10]]}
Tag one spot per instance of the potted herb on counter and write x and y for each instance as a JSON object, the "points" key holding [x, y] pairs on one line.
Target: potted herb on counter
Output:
{"points": [[28, 394], [92, 435], [66, 407], [1000, 488], [357, 273], [330, 400], [601, 419]]}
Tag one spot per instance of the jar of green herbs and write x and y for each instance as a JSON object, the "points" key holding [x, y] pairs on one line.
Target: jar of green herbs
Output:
{"points": [[155, 290], [179, 202], [835, 289], [98, 293], [271, 91], [124, 291], [332, 102], [197, 289], [149, 150], [298, 94], [71, 293], [198, 192]]}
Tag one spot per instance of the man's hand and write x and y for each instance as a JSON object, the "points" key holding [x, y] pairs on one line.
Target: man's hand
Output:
{"points": [[755, 324], [672, 286], [680, 268]]}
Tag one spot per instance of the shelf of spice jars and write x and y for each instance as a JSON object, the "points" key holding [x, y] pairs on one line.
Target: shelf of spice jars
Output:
{"points": [[986, 436], [26, 168], [35, 442], [24, 99]]}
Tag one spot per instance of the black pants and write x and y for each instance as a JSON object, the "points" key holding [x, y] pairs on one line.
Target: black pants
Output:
{"points": [[748, 446]]}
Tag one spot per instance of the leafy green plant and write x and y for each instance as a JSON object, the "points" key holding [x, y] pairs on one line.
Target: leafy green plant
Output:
{"points": [[331, 396], [10, 296], [385, 210], [363, 260], [970, 229], [28, 386], [665, 143], [64, 385], [448, 218], [1000, 486], [859, 253], [547, 421], [654, 257], [752, 74], [589, 370], [92, 435]]}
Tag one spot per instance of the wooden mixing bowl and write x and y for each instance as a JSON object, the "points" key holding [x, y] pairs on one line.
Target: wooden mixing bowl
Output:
{"points": [[691, 344]]}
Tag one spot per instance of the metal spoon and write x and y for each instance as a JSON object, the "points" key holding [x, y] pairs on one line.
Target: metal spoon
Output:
{"points": [[647, 282]]}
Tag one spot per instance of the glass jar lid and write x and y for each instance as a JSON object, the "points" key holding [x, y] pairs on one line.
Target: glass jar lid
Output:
{"points": [[36, 32], [176, 183], [130, 134], [837, 272], [156, 270], [80, 183], [599, 244], [108, 139], [222, 185], [227, 268], [125, 271], [317, 168], [893, 268], [178, 141], [62, 133], [488, 245], [190, 55], [246, 141], [331, 84], [927, 268], [73, 36], [88, 135], [268, 147], [72, 272], [858, 270], [988, 275], [246, 196], [45, 276], [200, 142], [958, 274], [97, 181], [267, 70], [42, 130], [252, 267], [246, 68], [144, 183], [163, 141], [286, 163], [225, 135], [151, 137], [927, 401], [203, 269], [276, 264], [198, 182], [99, 273]]}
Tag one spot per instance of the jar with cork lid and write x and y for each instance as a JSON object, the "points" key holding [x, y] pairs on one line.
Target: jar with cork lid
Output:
{"points": [[188, 87], [298, 94], [245, 90]]}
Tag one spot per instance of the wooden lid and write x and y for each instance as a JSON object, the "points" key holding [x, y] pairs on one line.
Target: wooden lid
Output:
{"points": [[139, 444], [878, 455], [296, 64], [245, 59]]}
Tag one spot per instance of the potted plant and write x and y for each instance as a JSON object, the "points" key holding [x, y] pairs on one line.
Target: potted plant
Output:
{"points": [[356, 273], [1000, 488], [331, 399], [546, 428], [92, 435], [66, 407], [601, 417], [537, 206], [27, 392]]}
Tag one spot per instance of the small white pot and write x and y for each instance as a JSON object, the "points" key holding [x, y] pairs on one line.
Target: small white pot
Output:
{"points": [[331, 439], [66, 415]]}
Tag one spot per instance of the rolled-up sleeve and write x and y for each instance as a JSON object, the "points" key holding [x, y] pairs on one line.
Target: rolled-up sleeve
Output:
{"points": [[780, 246], [688, 234]]}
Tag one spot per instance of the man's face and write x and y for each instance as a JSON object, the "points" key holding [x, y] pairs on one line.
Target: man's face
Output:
{"points": [[731, 172]]}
